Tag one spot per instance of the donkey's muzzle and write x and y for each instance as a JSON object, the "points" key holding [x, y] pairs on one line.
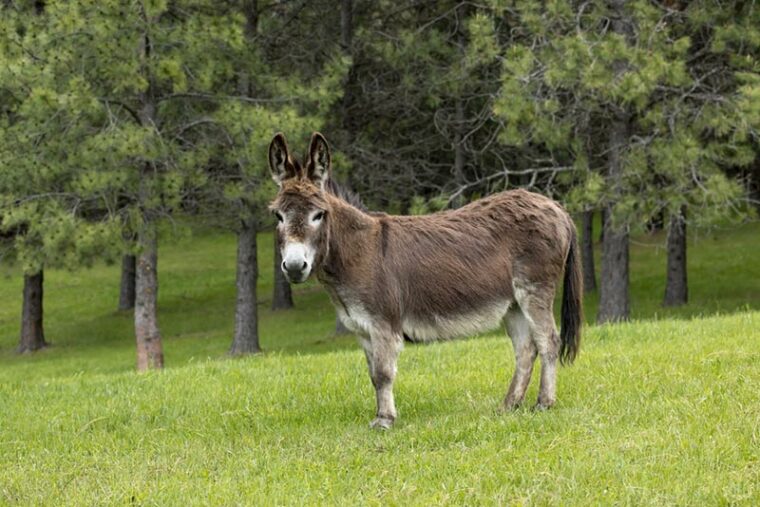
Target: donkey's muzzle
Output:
{"points": [[296, 271]]}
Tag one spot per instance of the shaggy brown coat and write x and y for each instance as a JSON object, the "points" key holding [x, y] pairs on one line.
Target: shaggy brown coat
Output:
{"points": [[498, 259]]}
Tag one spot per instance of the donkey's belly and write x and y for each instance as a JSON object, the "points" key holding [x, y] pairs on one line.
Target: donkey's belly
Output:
{"points": [[444, 327]]}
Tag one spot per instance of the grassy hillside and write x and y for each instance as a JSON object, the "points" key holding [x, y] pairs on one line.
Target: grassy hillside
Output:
{"points": [[652, 413], [657, 411]]}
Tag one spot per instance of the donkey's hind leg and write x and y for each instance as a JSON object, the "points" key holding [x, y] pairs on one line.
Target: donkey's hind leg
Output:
{"points": [[518, 328], [544, 335]]}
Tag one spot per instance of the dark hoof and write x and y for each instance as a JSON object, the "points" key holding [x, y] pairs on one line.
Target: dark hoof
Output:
{"points": [[381, 423], [510, 406]]}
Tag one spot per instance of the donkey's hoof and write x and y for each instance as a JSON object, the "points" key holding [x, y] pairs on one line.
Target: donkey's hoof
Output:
{"points": [[510, 406], [541, 406], [381, 423]]}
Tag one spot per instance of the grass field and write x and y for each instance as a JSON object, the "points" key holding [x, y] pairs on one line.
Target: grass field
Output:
{"points": [[658, 411]]}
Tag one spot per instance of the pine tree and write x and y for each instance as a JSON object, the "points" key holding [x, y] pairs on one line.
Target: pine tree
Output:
{"points": [[125, 84], [48, 215], [647, 116], [274, 92]]}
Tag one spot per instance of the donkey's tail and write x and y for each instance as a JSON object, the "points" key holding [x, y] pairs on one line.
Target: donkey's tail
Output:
{"points": [[572, 302]]}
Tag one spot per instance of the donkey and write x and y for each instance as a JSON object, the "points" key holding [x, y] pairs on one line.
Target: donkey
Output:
{"points": [[445, 275]]}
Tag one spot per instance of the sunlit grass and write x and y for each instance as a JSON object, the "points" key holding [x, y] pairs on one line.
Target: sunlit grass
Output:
{"points": [[652, 413]]}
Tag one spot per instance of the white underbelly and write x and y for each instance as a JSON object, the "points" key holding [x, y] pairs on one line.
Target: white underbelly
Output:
{"points": [[429, 327], [441, 327]]}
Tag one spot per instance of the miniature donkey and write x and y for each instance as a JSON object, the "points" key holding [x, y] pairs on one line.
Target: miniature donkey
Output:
{"points": [[453, 273]]}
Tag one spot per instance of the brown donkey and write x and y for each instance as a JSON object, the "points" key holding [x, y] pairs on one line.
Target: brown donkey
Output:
{"points": [[449, 274]]}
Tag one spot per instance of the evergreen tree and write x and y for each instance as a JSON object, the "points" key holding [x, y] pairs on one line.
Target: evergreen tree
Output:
{"points": [[278, 92], [139, 95], [615, 90], [49, 215]]}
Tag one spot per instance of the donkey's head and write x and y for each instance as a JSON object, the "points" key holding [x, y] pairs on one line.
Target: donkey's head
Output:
{"points": [[302, 212]]}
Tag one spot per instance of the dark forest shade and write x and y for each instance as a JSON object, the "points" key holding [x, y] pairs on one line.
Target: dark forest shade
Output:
{"points": [[282, 296], [246, 337], [587, 255], [676, 286], [127, 286], [32, 332]]}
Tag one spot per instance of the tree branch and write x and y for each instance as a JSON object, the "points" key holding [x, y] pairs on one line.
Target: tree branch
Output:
{"points": [[534, 172]]}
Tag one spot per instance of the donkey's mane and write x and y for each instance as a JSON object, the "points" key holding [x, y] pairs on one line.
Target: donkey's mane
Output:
{"points": [[342, 191]]}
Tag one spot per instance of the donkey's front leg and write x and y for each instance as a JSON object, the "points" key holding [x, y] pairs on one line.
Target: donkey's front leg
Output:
{"points": [[382, 351]]}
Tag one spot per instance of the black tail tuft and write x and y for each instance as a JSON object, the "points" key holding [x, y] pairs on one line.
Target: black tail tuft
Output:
{"points": [[572, 303]]}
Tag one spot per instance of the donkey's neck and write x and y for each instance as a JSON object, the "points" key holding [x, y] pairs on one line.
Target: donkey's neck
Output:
{"points": [[351, 232]]}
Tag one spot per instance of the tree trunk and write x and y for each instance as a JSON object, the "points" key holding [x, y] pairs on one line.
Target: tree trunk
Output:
{"points": [[282, 296], [32, 332], [589, 273], [127, 288], [613, 292], [150, 354], [614, 304], [676, 287], [250, 10], [346, 28], [246, 338]]}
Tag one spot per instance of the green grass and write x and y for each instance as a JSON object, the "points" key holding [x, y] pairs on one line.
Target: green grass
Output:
{"points": [[662, 411], [723, 272]]}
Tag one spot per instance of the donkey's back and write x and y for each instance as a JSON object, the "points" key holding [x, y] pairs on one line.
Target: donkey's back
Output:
{"points": [[459, 272]]}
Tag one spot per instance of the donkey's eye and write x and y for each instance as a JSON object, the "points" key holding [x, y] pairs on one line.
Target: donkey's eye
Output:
{"points": [[279, 216], [318, 216]]}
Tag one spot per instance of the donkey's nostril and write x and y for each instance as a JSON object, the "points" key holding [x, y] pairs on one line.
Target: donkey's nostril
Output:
{"points": [[284, 268], [305, 264]]}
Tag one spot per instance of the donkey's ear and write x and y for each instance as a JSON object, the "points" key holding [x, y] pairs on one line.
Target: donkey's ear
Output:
{"points": [[318, 165], [280, 163]]}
